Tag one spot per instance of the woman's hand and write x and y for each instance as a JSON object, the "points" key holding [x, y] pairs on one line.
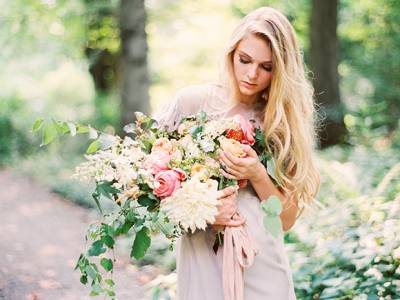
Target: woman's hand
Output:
{"points": [[227, 215], [241, 168]]}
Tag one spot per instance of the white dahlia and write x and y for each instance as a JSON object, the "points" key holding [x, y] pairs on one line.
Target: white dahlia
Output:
{"points": [[194, 204]]}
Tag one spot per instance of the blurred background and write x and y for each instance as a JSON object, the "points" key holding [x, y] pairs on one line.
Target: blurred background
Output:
{"points": [[97, 61]]}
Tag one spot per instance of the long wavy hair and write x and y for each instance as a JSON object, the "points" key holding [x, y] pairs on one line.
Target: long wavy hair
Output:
{"points": [[289, 113]]}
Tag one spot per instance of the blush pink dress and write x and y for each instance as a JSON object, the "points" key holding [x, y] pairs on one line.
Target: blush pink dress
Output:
{"points": [[199, 269]]}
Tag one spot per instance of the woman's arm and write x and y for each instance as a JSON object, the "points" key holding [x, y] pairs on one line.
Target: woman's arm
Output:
{"points": [[251, 168], [264, 188]]}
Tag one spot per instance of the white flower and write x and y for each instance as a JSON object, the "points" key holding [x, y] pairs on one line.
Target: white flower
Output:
{"points": [[192, 150], [207, 145], [213, 129], [193, 205]]}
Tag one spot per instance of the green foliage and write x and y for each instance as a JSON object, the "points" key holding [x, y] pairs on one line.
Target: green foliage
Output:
{"points": [[349, 249], [370, 43], [15, 138], [141, 243]]}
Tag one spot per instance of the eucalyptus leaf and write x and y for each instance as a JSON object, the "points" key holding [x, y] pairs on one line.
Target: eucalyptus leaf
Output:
{"points": [[91, 272], [273, 225], [272, 206]]}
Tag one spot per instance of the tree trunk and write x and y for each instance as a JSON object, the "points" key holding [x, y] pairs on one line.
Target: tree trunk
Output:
{"points": [[324, 64], [135, 77]]}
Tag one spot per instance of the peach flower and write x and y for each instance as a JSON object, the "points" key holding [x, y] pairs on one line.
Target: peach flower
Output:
{"points": [[157, 161], [232, 146], [162, 144]]}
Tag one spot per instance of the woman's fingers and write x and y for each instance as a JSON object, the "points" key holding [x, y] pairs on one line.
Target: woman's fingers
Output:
{"points": [[227, 175], [236, 222], [226, 192]]}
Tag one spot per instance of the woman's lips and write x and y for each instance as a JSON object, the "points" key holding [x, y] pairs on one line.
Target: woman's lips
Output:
{"points": [[250, 85]]}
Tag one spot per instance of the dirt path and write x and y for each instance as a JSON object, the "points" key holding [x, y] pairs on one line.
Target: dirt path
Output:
{"points": [[41, 236]]}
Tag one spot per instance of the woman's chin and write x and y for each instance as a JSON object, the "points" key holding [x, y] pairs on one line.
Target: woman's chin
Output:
{"points": [[246, 92]]}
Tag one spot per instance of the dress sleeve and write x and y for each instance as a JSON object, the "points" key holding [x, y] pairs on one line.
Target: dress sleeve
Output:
{"points": [[169, 115], [188, 101]]}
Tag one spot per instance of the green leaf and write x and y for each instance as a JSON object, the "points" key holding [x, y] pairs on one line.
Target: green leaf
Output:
{"points": [[106, 189], [93, 147], [147, 145], [96, 249], [202, 116], [141, 244], [107, 264], [61, 127], [272, 206], [49, 134], [37, 125], [82, 129], [148, 200], [110, 282], [273, 225], [91, 272], [96, 288], [108, 241], [96, 198], [196, 131], [83, 279], [80, 261], [124, 229]]}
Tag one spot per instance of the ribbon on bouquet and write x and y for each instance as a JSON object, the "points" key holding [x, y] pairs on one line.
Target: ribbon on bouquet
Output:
{"points": [[239, 253]]}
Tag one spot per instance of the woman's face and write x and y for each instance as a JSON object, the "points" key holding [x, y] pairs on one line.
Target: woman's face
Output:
{"points": [[252, 65]]}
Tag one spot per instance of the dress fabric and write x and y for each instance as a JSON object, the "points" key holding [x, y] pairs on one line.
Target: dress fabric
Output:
{"points": [[199, 268]]}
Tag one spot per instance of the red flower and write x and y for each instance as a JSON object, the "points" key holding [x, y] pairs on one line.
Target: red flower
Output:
{"points": [[235, 134]]}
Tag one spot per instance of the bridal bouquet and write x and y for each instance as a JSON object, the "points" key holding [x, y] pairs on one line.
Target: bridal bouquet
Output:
{"points": [[163, 182]]}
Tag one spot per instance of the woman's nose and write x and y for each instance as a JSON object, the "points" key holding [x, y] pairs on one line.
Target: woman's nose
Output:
{"points": [[252, 73]]}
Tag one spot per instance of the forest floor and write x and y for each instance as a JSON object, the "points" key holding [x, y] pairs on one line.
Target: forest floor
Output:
{"points": [[41, 237]]}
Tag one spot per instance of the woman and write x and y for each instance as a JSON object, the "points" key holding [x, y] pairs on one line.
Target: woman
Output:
{"points": [[263, 79]]}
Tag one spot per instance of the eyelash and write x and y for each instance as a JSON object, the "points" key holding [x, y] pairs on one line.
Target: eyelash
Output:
{"points": [[268, 69]]}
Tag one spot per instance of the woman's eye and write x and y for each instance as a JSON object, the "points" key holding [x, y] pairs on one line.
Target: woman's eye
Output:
{"points": [[267, 68], [243, 61]]}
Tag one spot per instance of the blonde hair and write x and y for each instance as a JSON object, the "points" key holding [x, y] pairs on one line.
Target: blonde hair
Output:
{"points": [[289, 114]]}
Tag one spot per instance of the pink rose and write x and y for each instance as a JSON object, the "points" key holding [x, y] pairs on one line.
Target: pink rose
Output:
{"points": [[248, 130], [181, 174], [162, 144], [157, 161], [167, 182]]}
